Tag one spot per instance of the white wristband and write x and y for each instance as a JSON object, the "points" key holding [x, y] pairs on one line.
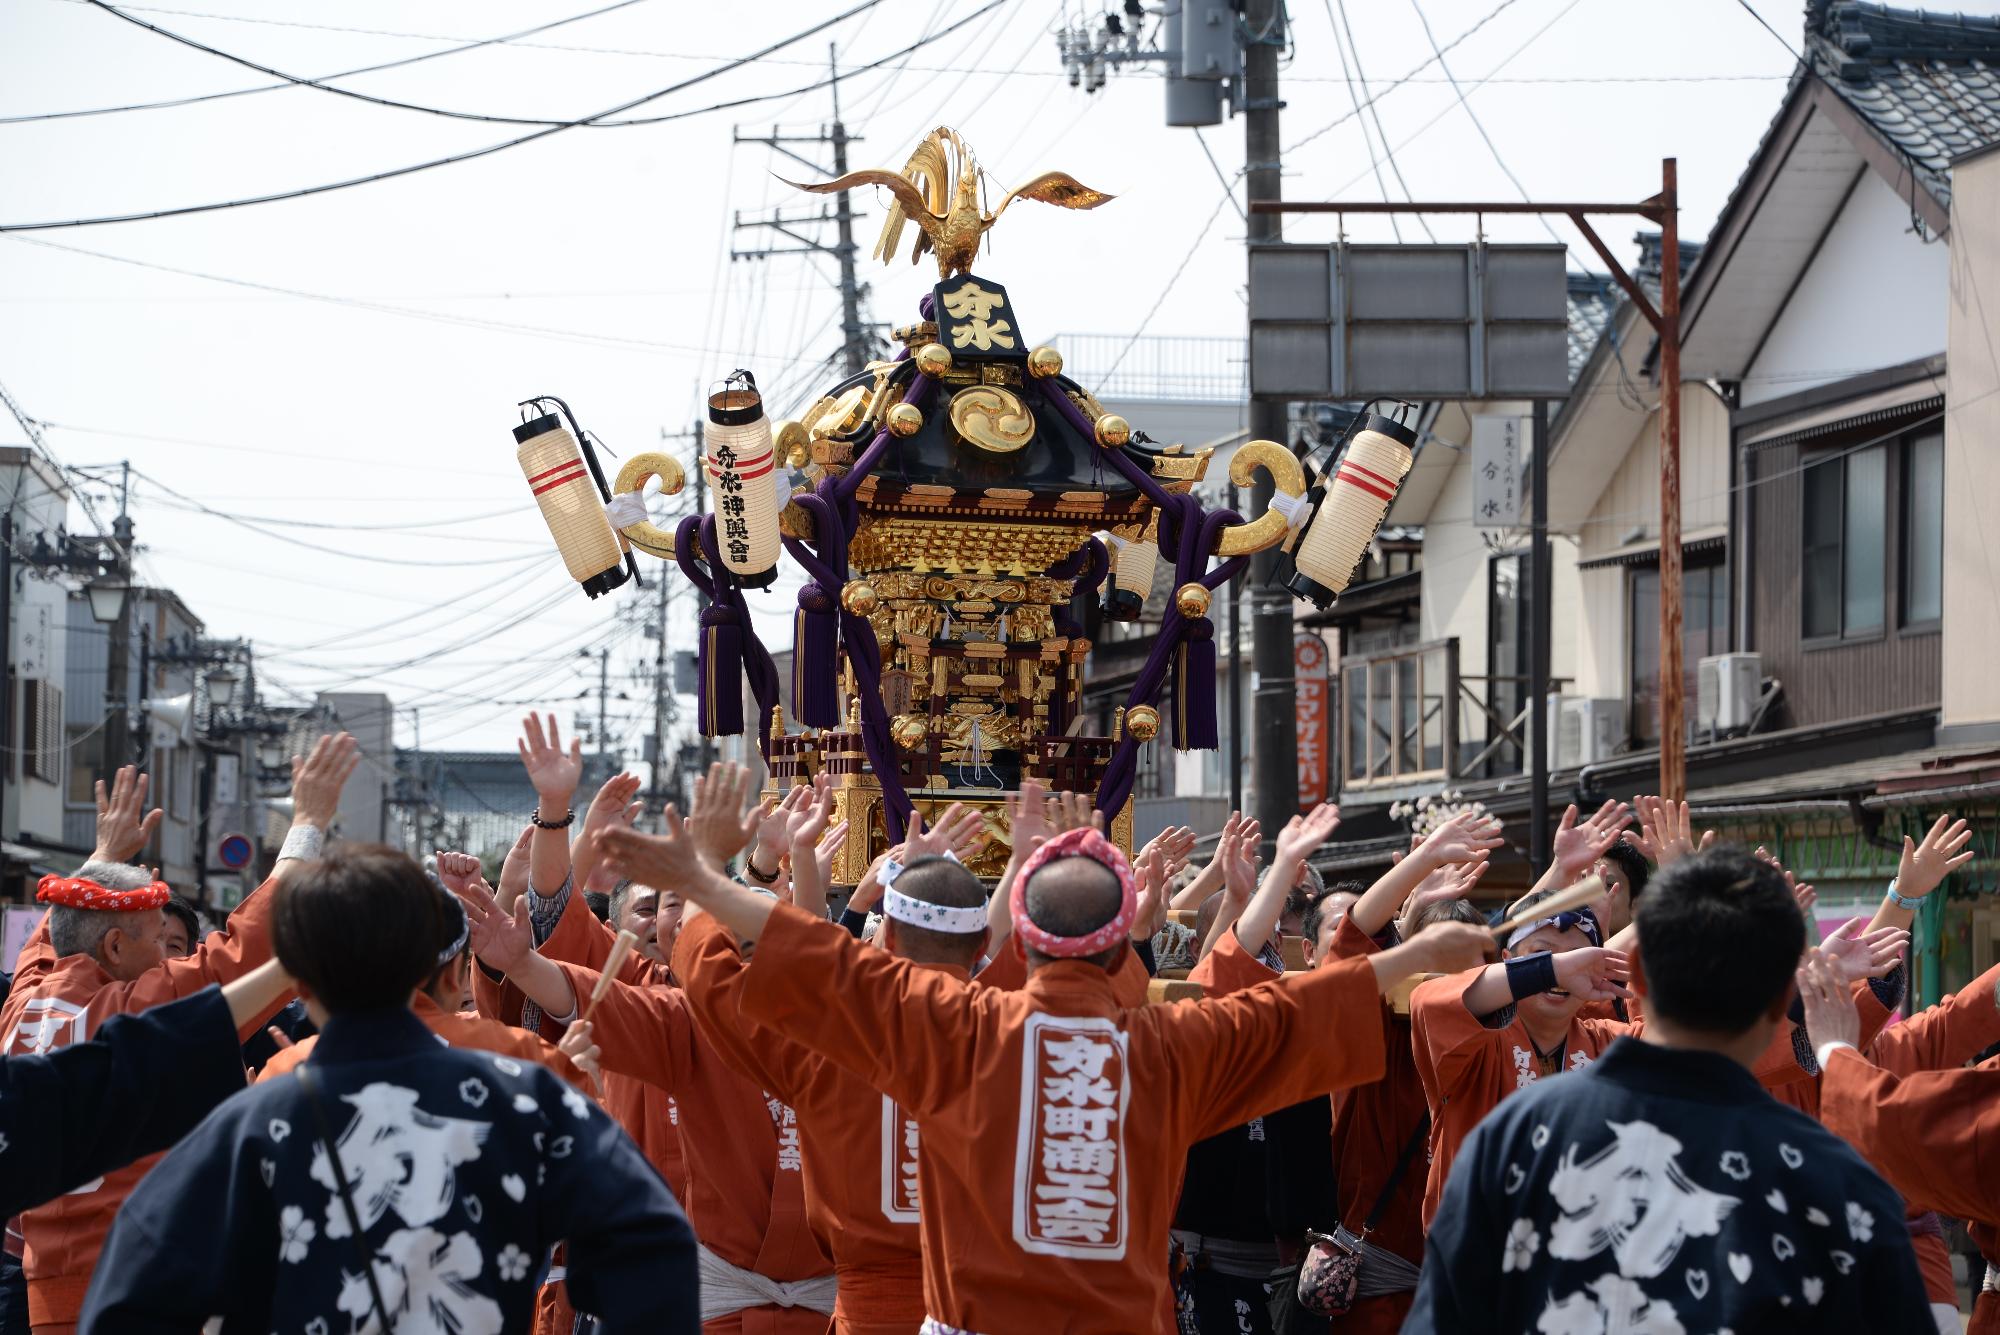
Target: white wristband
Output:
{"points": [[1826, 1049], [302, 843]]}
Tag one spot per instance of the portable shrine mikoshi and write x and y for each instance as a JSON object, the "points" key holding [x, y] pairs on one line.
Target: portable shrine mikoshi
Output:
{"points": [[947, 507]]}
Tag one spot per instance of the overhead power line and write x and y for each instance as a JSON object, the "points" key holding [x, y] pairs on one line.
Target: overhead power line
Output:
{"points": [[516, 142], [344, 74]]}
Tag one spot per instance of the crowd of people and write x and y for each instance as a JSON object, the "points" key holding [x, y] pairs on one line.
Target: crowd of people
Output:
{"points": [[677, 1080]]}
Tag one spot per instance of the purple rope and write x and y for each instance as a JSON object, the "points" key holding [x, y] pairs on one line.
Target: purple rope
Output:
{"points": [[1134, 474]]}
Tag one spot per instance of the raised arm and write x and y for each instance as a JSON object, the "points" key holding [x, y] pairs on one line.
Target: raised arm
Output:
{"points": [[1209, 880], [1236, 852], [1466, 837], [1922, 870], [1027, 830], [1578, 845], [554, 774], [1299, 840]]}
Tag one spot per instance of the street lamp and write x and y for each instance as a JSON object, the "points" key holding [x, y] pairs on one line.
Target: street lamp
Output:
{"points": [[271, 753], [221, 688], [107, 599]]}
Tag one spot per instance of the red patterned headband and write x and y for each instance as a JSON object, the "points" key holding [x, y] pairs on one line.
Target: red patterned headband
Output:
{"points": [[77, 892], [1083, 843]]}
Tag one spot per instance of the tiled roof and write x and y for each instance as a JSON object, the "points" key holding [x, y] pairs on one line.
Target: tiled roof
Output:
{"points": [[1928, 82], [1592, 299]]}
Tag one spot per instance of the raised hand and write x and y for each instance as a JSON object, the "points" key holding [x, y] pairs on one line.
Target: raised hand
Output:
{"points": [[554, 772], [1152, 877], [1924, 866], [124, 826], [1303, 835], [719, 826], [1865, 954], [613, 805], [957, 831], [457, 871], [1238, 856], [1176, 846], [775, 823], [1667, 831], [1577, 846], [1831, 1015], [514, 869], [671, 860], [1591, 974], [318, 777], [869, 892], [1027, 820], [827, 850], [500, 938], [1068, 811], [1466, 837]]}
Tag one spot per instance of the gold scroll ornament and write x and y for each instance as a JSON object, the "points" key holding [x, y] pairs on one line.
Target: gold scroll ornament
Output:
{"points": [[992, 419], [647, 536], [1269, 529]]}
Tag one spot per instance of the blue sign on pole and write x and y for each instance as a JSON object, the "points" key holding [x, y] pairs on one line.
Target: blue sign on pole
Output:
{"points": [[235, 851]]}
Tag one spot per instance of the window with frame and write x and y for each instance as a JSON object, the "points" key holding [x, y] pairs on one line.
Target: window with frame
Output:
{"points": [[41, 730], [1923, 531], [86, 762], [1844, 575], [1704, 631]]}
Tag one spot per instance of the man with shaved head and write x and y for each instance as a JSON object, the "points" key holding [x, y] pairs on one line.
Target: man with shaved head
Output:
{"points": [[1052, 1117]]}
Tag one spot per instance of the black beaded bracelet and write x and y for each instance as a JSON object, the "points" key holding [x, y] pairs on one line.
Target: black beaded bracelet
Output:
{"points": [[569, 819]]}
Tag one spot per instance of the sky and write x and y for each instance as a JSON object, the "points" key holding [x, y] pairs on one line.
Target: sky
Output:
{"points": [[337, 375]]}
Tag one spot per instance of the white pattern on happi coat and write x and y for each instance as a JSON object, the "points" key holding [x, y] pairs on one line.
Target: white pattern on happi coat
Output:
{"points": [[1633, 1197], [1069, 1169], [900, 1139]]}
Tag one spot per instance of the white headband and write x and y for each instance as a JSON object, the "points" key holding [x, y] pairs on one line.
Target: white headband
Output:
{"points": [[935, 917]]}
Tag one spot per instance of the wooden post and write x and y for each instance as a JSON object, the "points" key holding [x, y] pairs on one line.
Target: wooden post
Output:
{"points": [[1673, 732]]}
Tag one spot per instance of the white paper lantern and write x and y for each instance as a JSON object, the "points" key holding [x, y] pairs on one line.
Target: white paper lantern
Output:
{"points": [[1132, 566], [741, 459], [557, 474], [1358, 494]]}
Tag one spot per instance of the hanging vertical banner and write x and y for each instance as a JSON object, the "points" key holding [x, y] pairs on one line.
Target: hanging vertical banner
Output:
{"points": [[1498, 449], [1314, 717]]}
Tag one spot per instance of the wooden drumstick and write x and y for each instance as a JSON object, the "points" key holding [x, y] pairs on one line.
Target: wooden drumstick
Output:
{"points": [[612, 963], [1585, 891]]}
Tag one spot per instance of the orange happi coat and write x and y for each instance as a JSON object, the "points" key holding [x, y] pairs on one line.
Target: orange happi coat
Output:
{"points": [[1943, 1037], [1935, 1135], [1468, 1066], [745, 1196], [1054, 1118], [56, 1002]]}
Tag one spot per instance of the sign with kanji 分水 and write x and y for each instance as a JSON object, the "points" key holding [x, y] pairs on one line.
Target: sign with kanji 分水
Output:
{"points": [[1498, 446]]}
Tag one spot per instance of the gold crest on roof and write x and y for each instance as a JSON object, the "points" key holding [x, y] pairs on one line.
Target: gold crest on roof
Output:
{"points": [[938, 189]]}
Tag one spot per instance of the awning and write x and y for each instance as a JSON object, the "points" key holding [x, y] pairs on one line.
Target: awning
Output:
{"points": [[1904, 401], [1648, 553], [49, 861]]}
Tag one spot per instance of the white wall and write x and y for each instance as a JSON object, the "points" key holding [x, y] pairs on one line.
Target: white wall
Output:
{"points": [[1972, 449], [1873, 296]]}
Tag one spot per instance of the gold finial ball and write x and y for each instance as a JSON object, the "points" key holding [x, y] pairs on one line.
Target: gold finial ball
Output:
{"points": [[906, 419], [1143, 722], [859, 598], [1044, 362], [909, 732], [1113, 431], [1192, 599], [933, 359]]}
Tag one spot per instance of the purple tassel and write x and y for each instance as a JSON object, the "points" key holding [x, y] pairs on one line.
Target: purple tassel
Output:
{"points": [[815, 659], [721, 670], [1194, 688]]}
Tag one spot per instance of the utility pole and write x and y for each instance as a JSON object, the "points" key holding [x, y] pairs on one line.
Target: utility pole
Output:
{"points": [[1273, 711], [1542, 588], [1673, 732], [118, 732], [855, 341]]}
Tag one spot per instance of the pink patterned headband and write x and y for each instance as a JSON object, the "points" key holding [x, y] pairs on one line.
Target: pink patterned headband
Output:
{"points": [[1083, 843]]}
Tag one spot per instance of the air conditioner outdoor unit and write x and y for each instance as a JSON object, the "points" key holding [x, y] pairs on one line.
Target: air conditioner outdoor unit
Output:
{"points": [[1586, 730], [1727, 691]]}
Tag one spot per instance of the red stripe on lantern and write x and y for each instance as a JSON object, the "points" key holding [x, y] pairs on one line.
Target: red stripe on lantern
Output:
{"points": [[1345, 476], [1390, 483], [576, 475], [570, 462]]}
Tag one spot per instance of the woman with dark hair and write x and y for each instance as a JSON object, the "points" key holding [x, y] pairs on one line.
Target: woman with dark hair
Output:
{"points": [[390, 1182]]}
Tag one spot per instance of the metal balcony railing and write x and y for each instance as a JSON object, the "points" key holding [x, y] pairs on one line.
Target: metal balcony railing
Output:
{"points": [[1408, 716]]}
